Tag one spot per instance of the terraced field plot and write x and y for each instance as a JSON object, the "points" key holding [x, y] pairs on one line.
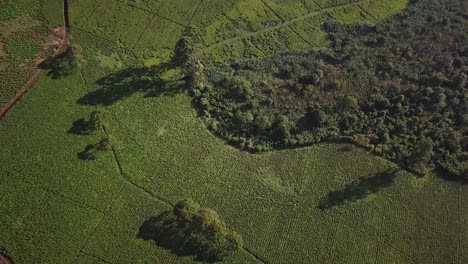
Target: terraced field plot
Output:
{"points": [[92, 211]]}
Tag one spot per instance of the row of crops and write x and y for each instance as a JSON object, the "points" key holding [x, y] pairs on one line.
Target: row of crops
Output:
{"points": [[87, 212], [25, 27], [231, 30]]}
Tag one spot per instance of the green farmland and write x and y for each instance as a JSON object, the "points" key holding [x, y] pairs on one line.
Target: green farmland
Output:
{"points": [[323, 203], [26, 28]]}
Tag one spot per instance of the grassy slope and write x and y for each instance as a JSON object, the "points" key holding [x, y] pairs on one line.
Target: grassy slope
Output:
{"points": [[271, 199]]}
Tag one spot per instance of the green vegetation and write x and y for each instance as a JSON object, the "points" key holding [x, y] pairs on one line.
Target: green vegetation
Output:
{"points": [[330, 203], [410, 112], [192, 230], [25, 28]]}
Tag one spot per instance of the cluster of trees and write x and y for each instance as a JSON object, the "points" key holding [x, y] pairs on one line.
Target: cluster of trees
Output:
{"points": [[398, 88], [190, 229]]}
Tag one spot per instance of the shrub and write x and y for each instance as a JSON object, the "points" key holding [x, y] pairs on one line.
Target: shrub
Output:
{"points": [[239, 88], [95, 120], [190, 229], [420, 156]]}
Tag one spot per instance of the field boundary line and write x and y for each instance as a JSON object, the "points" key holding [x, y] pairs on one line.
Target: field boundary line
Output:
{"points": [[93, 12], [127, 179], [108, 210], [367, 13], [140, 8], [379, 241], [143, 32], [151, 12], [195, 12], [60, 195], [96, 257], [273, 11], [272, 28], [147, 25], [317, 4], [300, 36], [283, 21], [23, 219], [341, 222], [385, 237], [248, 251]]}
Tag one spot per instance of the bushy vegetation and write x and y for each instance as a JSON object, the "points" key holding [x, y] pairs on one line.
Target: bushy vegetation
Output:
{"points": [[190, 229], [91, 212], [64, 64], [368, 89]]}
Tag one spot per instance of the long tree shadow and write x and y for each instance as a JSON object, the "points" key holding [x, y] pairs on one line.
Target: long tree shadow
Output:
{"points": [[359, 190], [124, 83], [154, 229]]}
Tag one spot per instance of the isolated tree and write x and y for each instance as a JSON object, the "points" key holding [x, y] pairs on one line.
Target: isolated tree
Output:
{"points": [[95, 120], [105, 143], [195, 230]]}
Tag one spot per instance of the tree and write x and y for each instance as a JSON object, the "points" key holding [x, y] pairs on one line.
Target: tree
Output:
{"points": [[64, 64], [185, 50], [243, 119], [196, 75], [281, 128], [194, 230], [420, 156], [347, 104], [238, 87], [262, 123], [95, 120]]}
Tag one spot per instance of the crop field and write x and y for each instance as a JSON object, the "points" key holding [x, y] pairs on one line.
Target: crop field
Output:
{"points": [[290, 206], [25, 28]]}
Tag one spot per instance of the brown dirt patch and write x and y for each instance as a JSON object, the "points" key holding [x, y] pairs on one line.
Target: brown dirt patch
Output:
{"points": [[4, 259]]}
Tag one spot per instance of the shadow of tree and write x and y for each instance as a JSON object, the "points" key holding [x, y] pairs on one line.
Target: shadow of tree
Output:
{"points": [[446, 175], [124, 83], [359, 190], [89, 153], [80, 127], [60, 66], [156, 229]]}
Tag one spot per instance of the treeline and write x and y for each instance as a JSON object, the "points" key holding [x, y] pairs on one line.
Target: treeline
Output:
{"points": [[398, 88]]}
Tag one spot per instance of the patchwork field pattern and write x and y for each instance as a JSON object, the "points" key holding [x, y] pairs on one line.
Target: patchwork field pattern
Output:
{"points": [[230, 30], [25, 28], [92, 211]]}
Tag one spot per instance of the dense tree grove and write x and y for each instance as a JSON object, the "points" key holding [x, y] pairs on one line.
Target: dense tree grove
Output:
{"points": [[194, 230], [398, 88]]}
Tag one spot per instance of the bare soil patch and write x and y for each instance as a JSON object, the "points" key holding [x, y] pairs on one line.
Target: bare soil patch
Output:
{"points": [[4, 259]]}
